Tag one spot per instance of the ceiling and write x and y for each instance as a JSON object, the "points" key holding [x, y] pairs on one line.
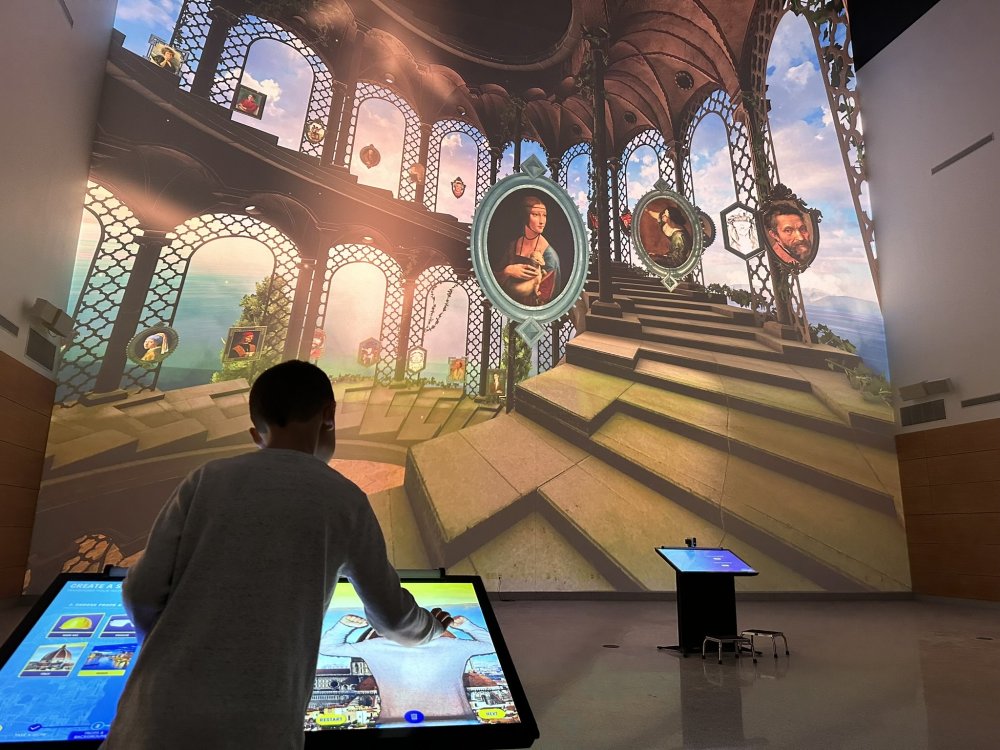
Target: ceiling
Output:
{"points": [[476, 60]]}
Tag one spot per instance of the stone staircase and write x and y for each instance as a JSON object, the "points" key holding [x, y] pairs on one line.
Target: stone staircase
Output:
{"points": [[683, 418]]}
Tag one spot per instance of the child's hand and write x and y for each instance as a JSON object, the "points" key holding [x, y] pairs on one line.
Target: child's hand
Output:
{"points": [[443, 617]]}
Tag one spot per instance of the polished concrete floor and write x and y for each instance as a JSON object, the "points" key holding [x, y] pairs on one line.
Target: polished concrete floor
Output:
{"points": [[862, 674]]}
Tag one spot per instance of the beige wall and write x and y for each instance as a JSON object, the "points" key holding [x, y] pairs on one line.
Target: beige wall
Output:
{"points": [[52, 80], [930, 94], [51, 89]]}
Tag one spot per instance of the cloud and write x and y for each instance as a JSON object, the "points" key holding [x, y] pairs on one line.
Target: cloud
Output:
{"points": [[799, 74], [157, 13]]}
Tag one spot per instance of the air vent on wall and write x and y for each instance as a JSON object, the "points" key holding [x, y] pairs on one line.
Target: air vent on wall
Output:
{"points": [[41, 350], [930, 411], [981, 400], [9, 325]]}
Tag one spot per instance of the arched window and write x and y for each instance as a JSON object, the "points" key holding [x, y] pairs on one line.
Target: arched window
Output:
{"points": [[528, 148], [233, 61], [838, 286], [282, 75], [712, 190], [386, 121], [458, 159], [222, 274], [353, 316]]}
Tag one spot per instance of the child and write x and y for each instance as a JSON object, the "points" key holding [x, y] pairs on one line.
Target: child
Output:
{"points": [[239, 569]]}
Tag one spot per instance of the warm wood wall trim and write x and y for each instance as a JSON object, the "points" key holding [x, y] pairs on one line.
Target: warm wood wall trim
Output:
{"points": [[25, 412], [951, 502]]}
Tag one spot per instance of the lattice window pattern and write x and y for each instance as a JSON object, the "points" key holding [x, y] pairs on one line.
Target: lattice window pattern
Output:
{"points": [[392, 305], [665, 163], [564, 332], [101, 293], [425, 285], [569, 156], [832, 37], [439, 131], [745, 177], [250, 29], [193, 24], [411, 133], [167, 286]]}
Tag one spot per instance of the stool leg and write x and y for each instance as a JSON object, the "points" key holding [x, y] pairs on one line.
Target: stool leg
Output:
{"points": [[703, 648], [774, 646], [786, 643], [720, 651]]}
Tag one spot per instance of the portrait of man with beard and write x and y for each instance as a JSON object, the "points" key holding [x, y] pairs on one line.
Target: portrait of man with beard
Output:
{"points": [[790, 235]]}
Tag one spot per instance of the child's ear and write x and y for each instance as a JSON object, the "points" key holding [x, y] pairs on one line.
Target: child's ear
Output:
{"points": [[257, 439], [328, 421]]}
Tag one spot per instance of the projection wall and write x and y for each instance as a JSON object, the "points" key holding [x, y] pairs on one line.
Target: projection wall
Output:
{"points": [[296, 204]]}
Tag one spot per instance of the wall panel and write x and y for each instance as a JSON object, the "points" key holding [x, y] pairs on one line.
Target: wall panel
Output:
{"points": [[951, 502], [25, 410]]}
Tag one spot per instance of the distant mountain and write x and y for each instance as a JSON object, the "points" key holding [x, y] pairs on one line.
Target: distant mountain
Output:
{"points": [[843, 304]]}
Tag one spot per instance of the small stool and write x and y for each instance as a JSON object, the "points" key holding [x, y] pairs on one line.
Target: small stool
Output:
{"points": [[738, 642], [772, 634]]}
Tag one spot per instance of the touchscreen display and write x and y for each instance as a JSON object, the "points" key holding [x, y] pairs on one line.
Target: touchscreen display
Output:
{"points": [[63, 680], [365, 680], [704, 560]]}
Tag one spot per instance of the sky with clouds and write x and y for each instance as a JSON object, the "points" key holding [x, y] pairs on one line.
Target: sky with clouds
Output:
{"points": [[809, 162]]}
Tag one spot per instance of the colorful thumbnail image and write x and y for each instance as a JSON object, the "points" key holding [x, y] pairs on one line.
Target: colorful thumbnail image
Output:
{"points": [[487, 691], [53, 660], [118, 626], [345, 695], [76, 625], [108, 660]]}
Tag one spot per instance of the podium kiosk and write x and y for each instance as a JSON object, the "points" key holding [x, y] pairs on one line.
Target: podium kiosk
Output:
{"points": [[706, 592]]}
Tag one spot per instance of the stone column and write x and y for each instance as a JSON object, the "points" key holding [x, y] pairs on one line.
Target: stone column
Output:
{"points": [[108, 385], [211, 53], [425, 141], [406, 316]]}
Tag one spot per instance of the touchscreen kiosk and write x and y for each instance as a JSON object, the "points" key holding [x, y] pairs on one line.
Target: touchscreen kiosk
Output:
{"points": [[63, 670], [706, 592], [704, 560]]}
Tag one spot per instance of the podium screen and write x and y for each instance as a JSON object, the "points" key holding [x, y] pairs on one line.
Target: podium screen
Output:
{"points": [[705, 560], [64, 668]]}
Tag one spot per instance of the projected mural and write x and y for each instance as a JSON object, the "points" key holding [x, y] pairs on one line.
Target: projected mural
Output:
{"points": [[315, 199]]}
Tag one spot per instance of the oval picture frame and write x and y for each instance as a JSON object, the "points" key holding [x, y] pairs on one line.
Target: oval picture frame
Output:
{"points": [[151, 345], [497, 218], [656, 248]]}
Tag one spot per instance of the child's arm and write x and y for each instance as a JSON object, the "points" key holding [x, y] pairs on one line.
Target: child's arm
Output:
{"points": [[148, 583], [390, 609]]}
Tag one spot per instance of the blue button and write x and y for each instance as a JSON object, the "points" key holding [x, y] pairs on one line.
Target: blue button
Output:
{"points": [[413, 717], [34, 727]]}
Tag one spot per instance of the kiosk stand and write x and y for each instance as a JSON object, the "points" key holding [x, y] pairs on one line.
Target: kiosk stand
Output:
{"points": [[706, 593]]}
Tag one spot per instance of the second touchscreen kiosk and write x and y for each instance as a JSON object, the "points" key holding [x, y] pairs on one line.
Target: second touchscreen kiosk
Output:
{"points": [[706, 592]]}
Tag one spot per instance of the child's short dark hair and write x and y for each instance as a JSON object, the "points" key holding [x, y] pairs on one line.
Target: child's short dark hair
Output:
{"points": [[293, 391]]}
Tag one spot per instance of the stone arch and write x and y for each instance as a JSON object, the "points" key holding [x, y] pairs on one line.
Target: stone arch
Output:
{"points": [[367, 90], [444, 128], [342, 255]]}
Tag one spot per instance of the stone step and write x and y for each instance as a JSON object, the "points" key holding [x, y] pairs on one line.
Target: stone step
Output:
{"points": [[714, 328], [520, 481], [721, 314], [710, 342], [834, 463], [606, 510], [804, 396], [387, 410], [591, 347], [758, 503], [97, 448]]}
